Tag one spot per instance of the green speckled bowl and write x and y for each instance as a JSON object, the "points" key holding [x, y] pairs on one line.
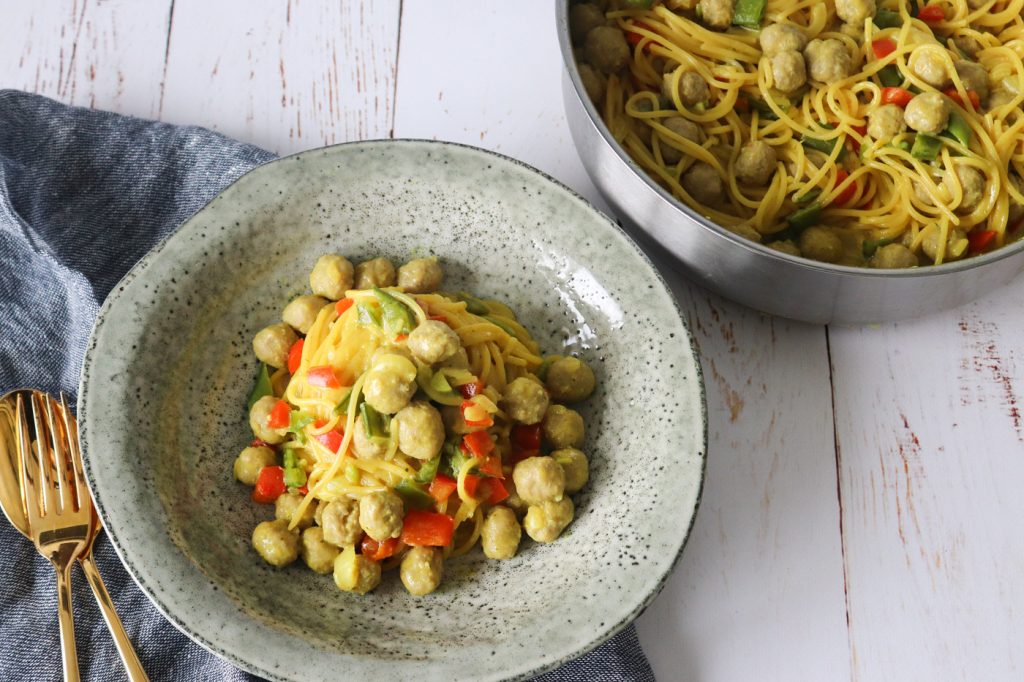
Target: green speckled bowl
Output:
{"points": [[169, 365]]}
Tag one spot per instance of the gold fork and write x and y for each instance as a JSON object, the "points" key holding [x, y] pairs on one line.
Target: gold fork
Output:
{"points": [[13, 504], [57, 505]]}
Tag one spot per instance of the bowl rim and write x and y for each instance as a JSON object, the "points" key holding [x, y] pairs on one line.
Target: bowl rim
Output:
{"points": [[571, 70], [118, 291]]}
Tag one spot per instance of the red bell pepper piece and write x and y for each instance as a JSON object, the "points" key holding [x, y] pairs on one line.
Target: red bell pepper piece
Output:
{"points": [[330, 440], [526, 436], [257, 443], [846, 196], [427, 529], [883, 47], [280, 415], [343, 305], [378, 551], [438, 318], [471, 389], [519, 454], [487, 422], [480, 443], [980, 241], [472, 483], [897, 96], [932, 14], [493, 490], [442, 487], [295, 356], [634, 38], [491, 465], [269, 485], [323, 377], [974, 97]]}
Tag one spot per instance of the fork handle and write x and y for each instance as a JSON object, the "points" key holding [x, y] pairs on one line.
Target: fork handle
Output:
{"points": [[124, 645], [67, 623]]}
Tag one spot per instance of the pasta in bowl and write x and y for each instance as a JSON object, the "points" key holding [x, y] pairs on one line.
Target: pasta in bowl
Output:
{"points": [[401, 426], [884, 135]]}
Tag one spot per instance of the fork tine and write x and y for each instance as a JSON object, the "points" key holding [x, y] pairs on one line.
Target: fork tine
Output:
{"points": [[29, 465], [61, 456], [71, 429], [46, 481]]}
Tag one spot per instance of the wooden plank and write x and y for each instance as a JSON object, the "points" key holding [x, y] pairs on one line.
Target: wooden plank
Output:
{"points": [[759, 592], [286, 76], [106, 55], [931, 465]]}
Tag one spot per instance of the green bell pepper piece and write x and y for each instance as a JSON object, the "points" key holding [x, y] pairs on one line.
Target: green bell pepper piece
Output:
{"points": [[294, 476], [886, 18], [375, 423], [803, 218], [262, 387], [368, 315], [413, 495], [396, 318], [749, 13], [825, 146], [473, 304], [926, 147], [428, 470], [959, 129], [891, 76], [869, 246]]}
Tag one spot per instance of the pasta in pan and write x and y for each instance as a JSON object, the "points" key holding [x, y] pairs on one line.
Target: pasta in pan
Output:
{"points": [[886, 135], [402, 427]]}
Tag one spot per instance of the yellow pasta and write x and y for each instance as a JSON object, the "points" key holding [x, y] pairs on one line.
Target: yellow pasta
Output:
{"points": [[937, 194]]}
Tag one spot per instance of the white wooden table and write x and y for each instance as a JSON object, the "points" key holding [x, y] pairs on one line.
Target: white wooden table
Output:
{"points": [[862, 517]]}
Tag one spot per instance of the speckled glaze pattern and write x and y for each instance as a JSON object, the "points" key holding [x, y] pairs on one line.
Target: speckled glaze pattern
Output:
{"points": [[169, 365]]}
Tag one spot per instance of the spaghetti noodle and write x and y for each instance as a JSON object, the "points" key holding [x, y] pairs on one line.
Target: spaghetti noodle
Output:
{"points": [[795, 124]]}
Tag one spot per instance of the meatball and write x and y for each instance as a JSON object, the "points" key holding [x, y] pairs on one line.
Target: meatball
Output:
{"points": [[250, 461], [1000, 98], [301, 312], [340, 521], [956, 243], [583, 18], [355, 573], [271, 345], [785, 246], [545, 522], [886, 122], [390, 383], [317, 554], [756, 163], [974, 77], [331, 277], [789, 71], [692, 89], [525, 401], [893, 256], [716, 13], [433, 341], [819, 243], [606, 49], [258, 416], [562, 427], [285, 506], [364, 446], [500, 534], [683, 128], [703, 184], [576, 467], [420, 430], [972, 183], [927, 113], [275, 543], [458, 361], [539, 479], [925, 198], [928, 63], [378, 273], [827, 60], [570, 380], [380, 515], [594, 82], [778, 38], [422, 569], [968, 45], [420, 276], [855, 11]]}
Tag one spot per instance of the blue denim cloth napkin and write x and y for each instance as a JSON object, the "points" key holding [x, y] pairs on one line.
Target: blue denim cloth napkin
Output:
{"points": [[83, 195]]}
